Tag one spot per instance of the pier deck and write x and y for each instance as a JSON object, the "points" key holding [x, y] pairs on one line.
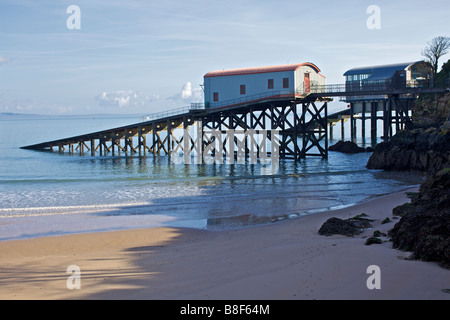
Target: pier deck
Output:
{"points": [[298, 115]]}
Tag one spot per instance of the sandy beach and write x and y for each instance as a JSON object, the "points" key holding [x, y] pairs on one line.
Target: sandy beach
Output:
{"points": [[284, 260]]}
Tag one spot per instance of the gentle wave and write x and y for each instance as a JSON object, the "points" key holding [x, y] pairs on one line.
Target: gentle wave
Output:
{"points": [[7, 180], [42, 211]]}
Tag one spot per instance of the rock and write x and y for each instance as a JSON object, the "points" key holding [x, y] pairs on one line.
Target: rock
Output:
{"points": [[378, 233], [346, 147], [426, 235], [404, 209], [387, 220], [338, 226], [431, 111], [424, 227], [373, 240], [424, 150], [434, 192], [348, 227]]}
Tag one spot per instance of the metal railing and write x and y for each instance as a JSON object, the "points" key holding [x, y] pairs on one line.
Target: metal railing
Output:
{"points": [[226, 103], [376, 86], [353, 86], [173, 112], [380, 86]]}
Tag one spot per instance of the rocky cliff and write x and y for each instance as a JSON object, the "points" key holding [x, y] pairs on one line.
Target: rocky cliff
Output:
{"points": [[424, 227], [426, 147], [420, 149]]}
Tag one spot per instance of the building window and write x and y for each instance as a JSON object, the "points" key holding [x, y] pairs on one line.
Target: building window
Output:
{"points": [[358, 77], [215, 96], [285, 82], [242, 88], [270, 84]]}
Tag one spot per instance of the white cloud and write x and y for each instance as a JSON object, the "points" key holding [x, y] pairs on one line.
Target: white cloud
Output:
{"points": [[124, 98], [4, 59], [188, 94]]}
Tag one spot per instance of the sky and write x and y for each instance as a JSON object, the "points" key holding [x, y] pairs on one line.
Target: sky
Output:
{"points": [[143, 57]]}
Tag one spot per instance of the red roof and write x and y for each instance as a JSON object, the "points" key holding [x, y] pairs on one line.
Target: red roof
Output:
{"points": [[256, 70]]}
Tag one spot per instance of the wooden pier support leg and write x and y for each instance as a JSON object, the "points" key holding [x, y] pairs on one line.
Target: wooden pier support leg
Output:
{"points": [[140, 141], [200, 136], [297, 154], [169, 138], [342, 129], [352, 122], [389, 121], [125, 141], [144, 144], [325, 130], [373, 123], [155, 142], [113, 144], [363, 122], [186, 141], [100, 142], [92, 148], [386, 119], [129, 141], [331, 130]]}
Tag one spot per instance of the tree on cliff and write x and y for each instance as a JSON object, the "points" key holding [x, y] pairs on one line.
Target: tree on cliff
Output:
{"points": [[444, 73], [435, 49]]}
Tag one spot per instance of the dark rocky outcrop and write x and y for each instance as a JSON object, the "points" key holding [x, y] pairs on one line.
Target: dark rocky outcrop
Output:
{"points": [[424, 148], [373, 240], [348, 227], [347, 147], [431, 110], [414, 150], [424, 227]]}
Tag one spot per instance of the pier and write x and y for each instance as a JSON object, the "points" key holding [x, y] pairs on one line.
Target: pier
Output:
{"points": [[299, 116]]}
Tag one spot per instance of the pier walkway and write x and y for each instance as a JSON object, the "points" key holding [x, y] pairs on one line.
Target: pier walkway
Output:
{"points": [[300, 118]]}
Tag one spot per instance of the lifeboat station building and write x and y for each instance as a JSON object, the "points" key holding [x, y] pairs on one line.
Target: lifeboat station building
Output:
{"points": [[226, 88]]}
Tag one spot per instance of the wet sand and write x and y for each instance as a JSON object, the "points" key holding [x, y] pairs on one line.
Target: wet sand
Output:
{"points": [[279, 261]]}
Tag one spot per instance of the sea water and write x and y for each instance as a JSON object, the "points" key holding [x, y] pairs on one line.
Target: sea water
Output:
{"points": [[52, 193]]}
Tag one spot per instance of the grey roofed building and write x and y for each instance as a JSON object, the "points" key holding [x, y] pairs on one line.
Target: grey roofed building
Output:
{"points": [[399, 75], [412, 71], [379, 72]]}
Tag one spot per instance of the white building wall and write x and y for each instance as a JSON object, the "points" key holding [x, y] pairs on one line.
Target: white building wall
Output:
{"points": [[315, 78], [256, 85]]}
